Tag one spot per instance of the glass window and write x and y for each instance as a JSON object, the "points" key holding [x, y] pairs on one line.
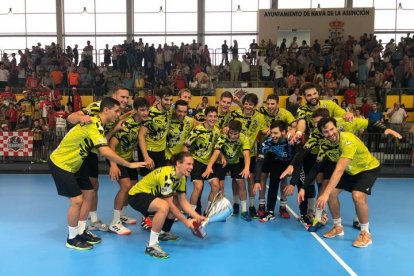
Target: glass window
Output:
{"points": [[149, 23], [181, 6], [148, 6], [16, 5], [264, 4], [12, 23], [297, 4], [110, 23], [386, 38], [44, 6], [81, 42], [363, 3], [181, 22], [41, 23], [385, 4], [76, 6], [79, 23], [215, 42], [407, 4], [404, 18], [110, 6], [218, 22], [384, 19], [244, 43], [178, 39], [12, 44], [246, 5], [218, 5], [244, 22], [42, 40], [329, 4]]}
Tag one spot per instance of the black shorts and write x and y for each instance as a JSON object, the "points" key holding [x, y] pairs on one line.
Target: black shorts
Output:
{"points": [[159, 161], [141, 202], [198, 169], [361, 182], [89, 167], [252, 167], [69, 184], [126, 172], [234, 169], [308, 162], [328, 169], [267, 163]]}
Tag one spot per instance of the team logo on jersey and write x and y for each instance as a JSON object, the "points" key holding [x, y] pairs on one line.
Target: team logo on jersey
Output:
{"points": [[15, 143]]}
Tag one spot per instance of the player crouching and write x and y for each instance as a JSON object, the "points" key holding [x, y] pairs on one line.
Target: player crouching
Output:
{"points": [[159, 192]]}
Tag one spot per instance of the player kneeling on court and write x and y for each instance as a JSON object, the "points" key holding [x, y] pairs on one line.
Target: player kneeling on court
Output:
{"points": [[159, 192]]}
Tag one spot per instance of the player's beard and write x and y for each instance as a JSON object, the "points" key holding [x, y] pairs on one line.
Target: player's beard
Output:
{"points": [[313, 102]]}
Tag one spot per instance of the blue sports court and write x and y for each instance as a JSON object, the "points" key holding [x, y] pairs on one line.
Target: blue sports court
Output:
{"points": [[33, 232]]}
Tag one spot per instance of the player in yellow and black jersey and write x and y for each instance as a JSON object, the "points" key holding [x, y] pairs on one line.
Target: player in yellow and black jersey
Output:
{"points": [[66, 161], [231, 147], [223, 111], [356, 172], [155, 193], [200, 144], [253, 123], [153, 132], [179, 129], [124, 142]]}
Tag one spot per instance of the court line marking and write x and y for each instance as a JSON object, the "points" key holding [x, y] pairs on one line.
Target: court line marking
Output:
{"points": [[326, 246]]}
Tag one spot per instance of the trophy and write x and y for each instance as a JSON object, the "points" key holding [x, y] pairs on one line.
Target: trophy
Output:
{"points": [[219, 210]]}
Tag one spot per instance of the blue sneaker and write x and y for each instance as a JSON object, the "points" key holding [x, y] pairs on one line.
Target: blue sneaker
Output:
{"points": [[246, 216], [315, 226]]}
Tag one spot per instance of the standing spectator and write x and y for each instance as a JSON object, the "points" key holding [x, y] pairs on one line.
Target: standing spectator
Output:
{"points": [[73, 78], [4, 76], [378, 84], [57, 77], [279, 79], [61, 124], [12, 114], [363, 77], [265, 71], [396, 117], [27, 106], [224, 53], [74, 100], [374, 116], [87, 54], [350, 95], [107, 56], [245, 70], [235, 68], [32, 82], [364, 107], [75, 55]]}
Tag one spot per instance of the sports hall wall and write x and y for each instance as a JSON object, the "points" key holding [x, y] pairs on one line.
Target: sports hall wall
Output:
{"points": [[323, 24]]}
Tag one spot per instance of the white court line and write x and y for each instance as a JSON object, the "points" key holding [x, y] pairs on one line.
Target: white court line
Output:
{"points": [[330, 250]]}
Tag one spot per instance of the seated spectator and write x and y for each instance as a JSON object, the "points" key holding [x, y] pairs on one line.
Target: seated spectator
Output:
{"points": [[350, 95], [57, 77], [344, 105], [22, 123], [203, 104], [180, 81], [32, 82]]}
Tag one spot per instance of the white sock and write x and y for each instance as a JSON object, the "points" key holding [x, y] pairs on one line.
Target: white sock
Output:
{"points": [[81, 226], [117, 216], [337, 221], [235, 199], [153, 238], [311, 204], [261, 201], [73, 231], [283, 203], [94, 216], [318, 214], [365, 227], [251, 201], [243, 206]]}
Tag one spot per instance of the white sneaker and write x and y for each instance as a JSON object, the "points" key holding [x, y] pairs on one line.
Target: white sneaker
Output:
{"points": [[98, 225], [128, 220], [119, 229]]}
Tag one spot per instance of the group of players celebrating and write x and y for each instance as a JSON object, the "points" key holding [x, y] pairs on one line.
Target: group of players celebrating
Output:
{"points": [[250, 143]]}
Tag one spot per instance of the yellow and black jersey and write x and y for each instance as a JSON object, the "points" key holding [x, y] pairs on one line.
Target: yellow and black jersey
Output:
{"points": [[357, 125], [77, 144], [251, 126], [27, 105], [161, 182], [157, 128], [232, 150], [305, 112], [201, 143], [92, 109], [177, 135], [281, 115], [128, 138]]}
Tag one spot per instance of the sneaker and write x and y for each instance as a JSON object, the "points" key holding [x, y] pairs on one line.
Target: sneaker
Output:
{"points": [[128, 220], [304, 219], [32, 162], [168, 236], [156, 251], [146, 223], [119, 229], [284, 213], [42, 160], [315, 226], [356, 224], [236, 208], [336, 230], [252, 212], [261, 212], [78, 243], [268, 216], [90, 238], [363, 240], [98, 225], [246, 216]]}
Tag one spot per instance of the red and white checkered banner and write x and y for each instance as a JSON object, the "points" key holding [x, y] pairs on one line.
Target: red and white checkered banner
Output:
{"points": [[16, 143]]}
